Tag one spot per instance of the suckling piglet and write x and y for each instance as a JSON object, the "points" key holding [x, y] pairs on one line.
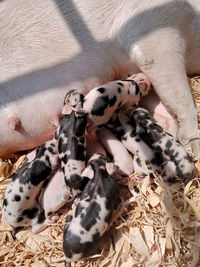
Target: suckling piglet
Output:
{"points": [[165, 144], [20, 204], [99, 199]]}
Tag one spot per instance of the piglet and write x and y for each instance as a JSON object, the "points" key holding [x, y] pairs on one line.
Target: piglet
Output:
{"points": [[165, 144], [98, 201], [20, 204], [70, 136], [101, 102], [54, 196], [145, 158], [121, 157]]}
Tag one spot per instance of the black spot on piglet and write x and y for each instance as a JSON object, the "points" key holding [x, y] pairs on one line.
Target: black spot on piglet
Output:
{"points": [[41, 217], [38, 173], [139, 163], [101, 90], [21, 190], [137, 89], [88, 221], [75, 181], [113, 100], [17, 198], [100, 105], [80, 125], [72, 245], [20, 219], [30, 213], [5, 202]]}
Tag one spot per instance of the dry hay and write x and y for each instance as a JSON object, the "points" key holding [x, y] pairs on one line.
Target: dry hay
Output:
{"points": [[157, 225]]}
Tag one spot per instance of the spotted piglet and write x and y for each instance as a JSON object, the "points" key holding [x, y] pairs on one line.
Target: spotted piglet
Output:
{"points": [[71, 143], [98, 201], [145, 158], [20, 204], [177, 161], [101, 102]]}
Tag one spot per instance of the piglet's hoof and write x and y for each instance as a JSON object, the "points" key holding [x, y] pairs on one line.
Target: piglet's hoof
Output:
{"points": [[52, 218], [193, 145]]}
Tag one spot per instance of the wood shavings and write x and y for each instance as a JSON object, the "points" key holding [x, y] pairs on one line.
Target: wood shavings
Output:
{"points": [[153, 200], [149, 235], [18, 164], [5, 170], [137, 240]]}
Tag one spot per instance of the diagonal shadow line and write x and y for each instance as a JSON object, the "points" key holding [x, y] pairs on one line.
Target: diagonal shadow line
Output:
{"points": [[50, 77], [75, 21]]}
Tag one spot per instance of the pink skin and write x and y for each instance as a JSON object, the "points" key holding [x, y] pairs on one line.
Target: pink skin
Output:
{"points": [[88, 172], [54, 196], [121, 156], [169, 170], [14, 123], [54, 120], [31, 155], [94, 146], [159, 112]]}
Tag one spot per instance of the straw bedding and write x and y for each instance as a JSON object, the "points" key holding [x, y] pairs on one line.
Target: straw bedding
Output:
{"points": [[156, 225]]}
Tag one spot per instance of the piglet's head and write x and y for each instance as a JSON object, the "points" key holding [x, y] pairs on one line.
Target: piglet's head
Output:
{"points": [[142, 81], [73, 101], [140, 115]]}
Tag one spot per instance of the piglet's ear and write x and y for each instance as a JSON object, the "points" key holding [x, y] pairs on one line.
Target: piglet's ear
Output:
{"points": [[88, 172], [68, 94], [111, 168]]}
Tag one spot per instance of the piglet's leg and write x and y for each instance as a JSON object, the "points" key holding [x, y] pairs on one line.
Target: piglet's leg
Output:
{"points": [[52, 218], [37, 228], [121, 156], [91, 131], [140, 166], [169, 172], [15, 231]]}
